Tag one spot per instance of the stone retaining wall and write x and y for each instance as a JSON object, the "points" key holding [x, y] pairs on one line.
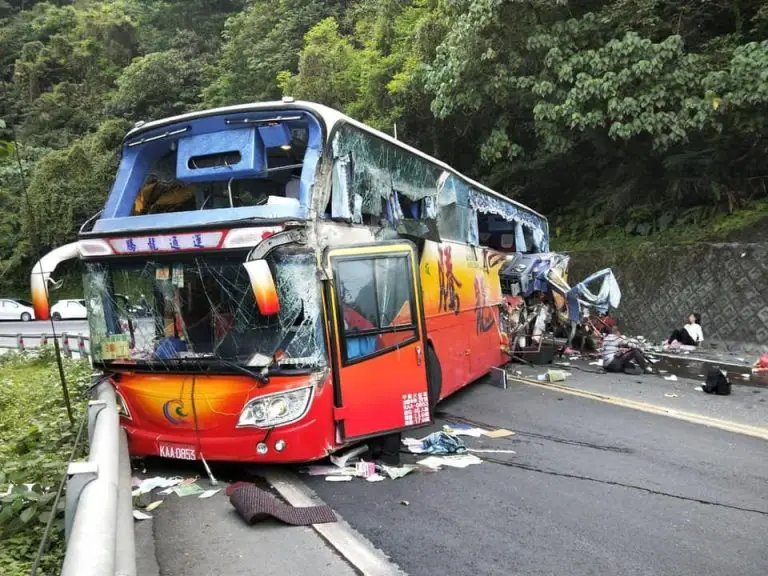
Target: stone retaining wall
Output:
{"points": [[727, 283]]}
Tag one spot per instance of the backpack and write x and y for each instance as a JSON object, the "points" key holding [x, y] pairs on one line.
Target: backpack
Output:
{"points": [[717, 382]]}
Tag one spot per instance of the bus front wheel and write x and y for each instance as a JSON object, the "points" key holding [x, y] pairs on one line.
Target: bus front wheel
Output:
{"points": [[435, 374]]}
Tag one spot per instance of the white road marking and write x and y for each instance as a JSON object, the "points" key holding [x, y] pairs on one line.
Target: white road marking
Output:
{"points": [[354, 547], [727, 425]]}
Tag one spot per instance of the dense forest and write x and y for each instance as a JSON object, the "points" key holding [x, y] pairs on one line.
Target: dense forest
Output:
{"points": [[617, 118]]}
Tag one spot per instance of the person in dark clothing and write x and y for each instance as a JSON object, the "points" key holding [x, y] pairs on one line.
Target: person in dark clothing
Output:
{"points": [[629, 360], [690, 334]]}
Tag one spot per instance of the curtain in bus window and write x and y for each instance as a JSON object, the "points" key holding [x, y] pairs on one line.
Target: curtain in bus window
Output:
{"points": [[488, 204]]}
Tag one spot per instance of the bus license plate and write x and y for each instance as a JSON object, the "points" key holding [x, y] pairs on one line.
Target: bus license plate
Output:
{"points": [[180, 451]]}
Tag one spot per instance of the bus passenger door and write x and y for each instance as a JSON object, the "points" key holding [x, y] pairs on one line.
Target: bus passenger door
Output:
{"points": [[379, 343]]}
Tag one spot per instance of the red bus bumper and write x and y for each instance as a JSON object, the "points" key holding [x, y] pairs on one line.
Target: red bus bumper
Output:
{"points": [[170, 418]]}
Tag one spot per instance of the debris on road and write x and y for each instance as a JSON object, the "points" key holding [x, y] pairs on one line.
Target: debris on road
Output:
{"points": [[341, 460], [699, 388], [325, 470], [338, 478], [149, 484], [375, 478], [557, 375], [436, 443], [499, 433], [453, 461], [188, 490], [395, 472], [365, 469], [153, 505], [210, 493], [254, 505], [671, 396], [460, 429], [139, 515], [404, 502], [491, 451], [671, 378]]}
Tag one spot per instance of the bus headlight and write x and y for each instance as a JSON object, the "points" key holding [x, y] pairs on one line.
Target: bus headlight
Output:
{"points": [[276, 409]]}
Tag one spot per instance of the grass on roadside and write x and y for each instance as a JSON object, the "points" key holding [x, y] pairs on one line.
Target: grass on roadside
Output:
{"points": [[36, 439]]}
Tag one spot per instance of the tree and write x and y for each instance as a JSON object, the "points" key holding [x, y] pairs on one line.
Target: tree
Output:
{"points": [[259, 43]]}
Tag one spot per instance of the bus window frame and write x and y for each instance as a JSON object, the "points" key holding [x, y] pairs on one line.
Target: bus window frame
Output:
{"points": [[416, 326]]}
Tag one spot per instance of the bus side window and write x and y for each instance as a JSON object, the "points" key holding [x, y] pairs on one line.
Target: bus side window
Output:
{"points": [[376, 305]]}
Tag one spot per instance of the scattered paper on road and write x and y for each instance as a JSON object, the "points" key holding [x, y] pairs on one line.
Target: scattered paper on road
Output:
{"points": [[432, 462], [460, 460], [670, 396], [375, 478], [153, 505], [395, 472], [149, 484], [338, 478], [500, 433], [188, 490], [454, 461], [460, 429], [209, 493], [413, 445], [139, 515], [491, 451], [596, 363], [671, 378], [699, 388]]}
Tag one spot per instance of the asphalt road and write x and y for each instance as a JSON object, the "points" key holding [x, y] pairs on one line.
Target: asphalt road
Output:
{"points": [[593, 489]]}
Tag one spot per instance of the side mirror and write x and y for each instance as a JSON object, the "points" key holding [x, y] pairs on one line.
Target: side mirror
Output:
{"points": [[263, 285], [41, 277]]}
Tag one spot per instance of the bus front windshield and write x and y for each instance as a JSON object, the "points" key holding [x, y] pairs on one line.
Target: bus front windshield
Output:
{"points": [[200, 312]]}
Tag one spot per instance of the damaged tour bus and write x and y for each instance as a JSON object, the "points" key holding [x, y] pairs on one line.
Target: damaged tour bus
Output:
{"points": [[271, 282]]}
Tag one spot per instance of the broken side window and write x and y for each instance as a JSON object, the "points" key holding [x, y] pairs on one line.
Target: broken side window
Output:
{"points": [[456, 220], [377, 182]]}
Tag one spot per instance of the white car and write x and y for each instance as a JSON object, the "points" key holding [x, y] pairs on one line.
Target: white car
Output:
{"points": [[69, 310], [15, 309]]}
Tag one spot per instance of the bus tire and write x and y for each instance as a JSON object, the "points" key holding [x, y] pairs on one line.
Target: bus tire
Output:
{"points": [[435, 374]]}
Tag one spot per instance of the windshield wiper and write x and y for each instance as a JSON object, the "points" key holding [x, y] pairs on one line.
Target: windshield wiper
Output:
{"points": [[255, 375]]}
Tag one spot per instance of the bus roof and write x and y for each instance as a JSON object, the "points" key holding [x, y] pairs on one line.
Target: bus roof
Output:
{"points": [[330, 118]]}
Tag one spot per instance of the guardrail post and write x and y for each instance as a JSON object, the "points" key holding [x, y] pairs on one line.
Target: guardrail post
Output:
{"points": [[81, 346], [20, 342], [65, 349], [79, 475]]}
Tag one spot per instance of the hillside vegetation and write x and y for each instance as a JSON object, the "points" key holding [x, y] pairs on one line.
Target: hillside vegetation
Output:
{"points": [[616, 118]]}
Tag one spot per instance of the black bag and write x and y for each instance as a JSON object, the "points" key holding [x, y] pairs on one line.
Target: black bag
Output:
{"points": [[717, 382]]}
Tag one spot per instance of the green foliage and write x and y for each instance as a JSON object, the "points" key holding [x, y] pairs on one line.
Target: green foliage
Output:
{"points": [[36, 439], [612, 116], [259, 43]]}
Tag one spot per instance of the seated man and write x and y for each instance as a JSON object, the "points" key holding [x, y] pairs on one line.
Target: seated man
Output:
{"points": [[630, 360]]}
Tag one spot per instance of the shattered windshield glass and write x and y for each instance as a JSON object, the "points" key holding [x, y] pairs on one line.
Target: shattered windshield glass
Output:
{"points": [[197, 312]]}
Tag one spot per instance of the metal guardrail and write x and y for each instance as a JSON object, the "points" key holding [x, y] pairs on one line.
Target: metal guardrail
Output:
{"points": [[22, 343], [99, 511]]}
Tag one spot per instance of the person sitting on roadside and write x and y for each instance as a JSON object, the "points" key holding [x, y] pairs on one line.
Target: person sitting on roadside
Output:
{"points": [[688, 335], [615, 359]]}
